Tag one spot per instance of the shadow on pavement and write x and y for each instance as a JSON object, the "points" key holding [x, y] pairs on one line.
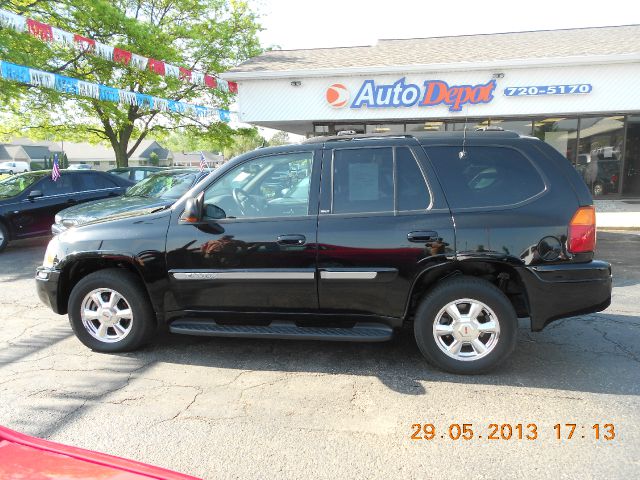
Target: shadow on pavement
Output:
{"points": [[21, 257], [598, 359]]}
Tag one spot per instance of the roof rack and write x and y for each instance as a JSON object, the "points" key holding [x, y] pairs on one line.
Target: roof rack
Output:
{"points": [[360, 136], [382, 136]]}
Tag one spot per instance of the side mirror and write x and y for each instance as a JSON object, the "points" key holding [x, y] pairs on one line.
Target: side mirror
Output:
{"points": [[192, 210], [214, 212], [33, 194]]}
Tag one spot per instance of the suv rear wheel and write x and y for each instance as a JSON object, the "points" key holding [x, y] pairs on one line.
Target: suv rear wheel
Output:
{"points": [[109, 311], [466, 325]]}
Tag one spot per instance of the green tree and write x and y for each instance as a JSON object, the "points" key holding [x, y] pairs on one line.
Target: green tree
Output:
{"points": [[209, 36], [244, 141], [154, 159], [279, 138]]}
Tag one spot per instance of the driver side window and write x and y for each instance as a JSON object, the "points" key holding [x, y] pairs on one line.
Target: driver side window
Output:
{"points": [[269, 186]]}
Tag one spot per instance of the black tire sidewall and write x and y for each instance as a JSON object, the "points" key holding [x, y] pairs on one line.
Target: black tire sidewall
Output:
{"points": [[473, 288], [130, 288], [5, 235]]}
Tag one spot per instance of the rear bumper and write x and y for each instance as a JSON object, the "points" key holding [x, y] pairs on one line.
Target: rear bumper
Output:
{"points": [[559, 291], [47, 281]]}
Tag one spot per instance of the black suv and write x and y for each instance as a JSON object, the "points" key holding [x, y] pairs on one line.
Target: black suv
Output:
{"points": [[347, 238]]}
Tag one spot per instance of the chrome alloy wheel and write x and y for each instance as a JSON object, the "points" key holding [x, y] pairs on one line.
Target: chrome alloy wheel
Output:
{"points": [[1, 237], [106, 315], [466, 329]]}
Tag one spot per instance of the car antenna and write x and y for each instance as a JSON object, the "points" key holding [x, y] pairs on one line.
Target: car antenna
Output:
{"points": [[462, 154]]}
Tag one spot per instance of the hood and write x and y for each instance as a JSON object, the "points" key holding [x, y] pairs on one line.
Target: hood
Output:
{"points": [[99, 209]]}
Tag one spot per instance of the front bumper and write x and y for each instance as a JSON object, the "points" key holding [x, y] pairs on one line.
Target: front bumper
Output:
{"points": [[57, 228], [47, 286], [559, 291]]}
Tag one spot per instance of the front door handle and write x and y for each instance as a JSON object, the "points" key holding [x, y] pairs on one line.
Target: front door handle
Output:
{"points": [[422, 236], [294, 239]]}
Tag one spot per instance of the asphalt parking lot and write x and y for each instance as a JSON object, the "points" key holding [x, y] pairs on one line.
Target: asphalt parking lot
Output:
{"points": [[233, 408]]}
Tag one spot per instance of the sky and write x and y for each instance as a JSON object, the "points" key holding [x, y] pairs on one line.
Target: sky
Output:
{"points": [[293, 24]]}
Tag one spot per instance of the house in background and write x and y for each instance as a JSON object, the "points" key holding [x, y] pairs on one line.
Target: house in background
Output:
{"points": [[98, 156], [31, 153]]}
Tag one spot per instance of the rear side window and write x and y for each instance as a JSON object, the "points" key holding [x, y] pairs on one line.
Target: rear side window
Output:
{"points": [[363, 180], [486, 176], [411, 189], [93, 181]]}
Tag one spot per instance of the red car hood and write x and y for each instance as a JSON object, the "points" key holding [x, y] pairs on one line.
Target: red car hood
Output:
{"points": [[28, 458]]}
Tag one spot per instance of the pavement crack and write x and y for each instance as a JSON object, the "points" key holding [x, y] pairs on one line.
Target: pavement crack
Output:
{"points": [[623, 348]]}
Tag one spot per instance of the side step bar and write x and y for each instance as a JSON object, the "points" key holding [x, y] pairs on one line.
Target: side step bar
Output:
{"points": [[360, 332]]}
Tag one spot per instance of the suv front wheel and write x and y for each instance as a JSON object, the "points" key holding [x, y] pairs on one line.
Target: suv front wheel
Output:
{"points": [[466, 325], [109, 311]]}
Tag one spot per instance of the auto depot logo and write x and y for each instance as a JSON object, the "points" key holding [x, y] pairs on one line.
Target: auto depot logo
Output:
{"points": [[337, 95], [403, 94]]}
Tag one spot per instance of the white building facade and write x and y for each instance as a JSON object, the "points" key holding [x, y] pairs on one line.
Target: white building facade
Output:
{"points": [[575, 89]]}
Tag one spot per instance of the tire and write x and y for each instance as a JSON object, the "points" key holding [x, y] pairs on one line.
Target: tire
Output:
{"points": [[598, 189], [10, 172], [114, 330], [432, 323], [4, 237]]}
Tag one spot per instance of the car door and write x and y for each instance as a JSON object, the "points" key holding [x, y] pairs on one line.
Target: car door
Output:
{"points": [[383, 219], [255, 250], [36, 214]]}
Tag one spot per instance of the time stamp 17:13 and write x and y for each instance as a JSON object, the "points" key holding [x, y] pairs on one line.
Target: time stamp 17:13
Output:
{"points": [[604, 432]]}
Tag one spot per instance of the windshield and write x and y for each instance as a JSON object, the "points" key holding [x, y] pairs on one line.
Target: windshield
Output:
{"points": [[12, 186], [170, 185]]}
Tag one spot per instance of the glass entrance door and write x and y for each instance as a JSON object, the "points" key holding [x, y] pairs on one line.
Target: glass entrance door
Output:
{"points": [[631, 186]]}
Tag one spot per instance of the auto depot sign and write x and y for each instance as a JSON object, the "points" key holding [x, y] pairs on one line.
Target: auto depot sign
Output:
{"points": [[403, 94]]}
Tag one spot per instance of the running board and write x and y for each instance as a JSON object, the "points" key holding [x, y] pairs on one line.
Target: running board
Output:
{"points": [[360, 332]]}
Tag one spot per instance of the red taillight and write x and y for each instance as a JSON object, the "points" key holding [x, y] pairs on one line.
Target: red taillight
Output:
{"points": [[582, 231], [614, 178]]}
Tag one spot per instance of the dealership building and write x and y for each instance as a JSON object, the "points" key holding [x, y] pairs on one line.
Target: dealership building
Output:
{"points": [[576, 89]]}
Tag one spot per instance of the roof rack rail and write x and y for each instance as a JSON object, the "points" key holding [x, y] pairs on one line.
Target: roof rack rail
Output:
{"points": [[360, 136]]}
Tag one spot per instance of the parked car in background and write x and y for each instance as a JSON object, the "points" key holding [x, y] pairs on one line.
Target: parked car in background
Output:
{"points": [[79, 166], [14, 167], [29, 201], [158, 191], [601, 175], [23, 457], [135, 174]]}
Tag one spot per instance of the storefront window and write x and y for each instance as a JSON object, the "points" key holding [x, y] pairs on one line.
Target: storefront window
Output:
{"points": [[631, 184], [523, 127], [600, 153], [426, 126], [321, 129], [471, 125], [386, 128], [355, 128], [560, 133]]}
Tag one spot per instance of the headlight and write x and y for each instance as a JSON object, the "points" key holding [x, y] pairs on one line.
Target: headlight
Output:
{"points": [[53, 253]]}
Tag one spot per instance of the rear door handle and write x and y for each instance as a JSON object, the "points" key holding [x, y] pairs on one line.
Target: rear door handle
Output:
{"points": [[293, 239], [72, 201], [422, 236]]}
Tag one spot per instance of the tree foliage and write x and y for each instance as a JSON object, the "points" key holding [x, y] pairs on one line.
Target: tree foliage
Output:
{"points": [[209, 36], [279, 138]]}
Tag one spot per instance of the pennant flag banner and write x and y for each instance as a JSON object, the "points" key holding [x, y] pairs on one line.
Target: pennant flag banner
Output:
{"points": [[73, 86], [48, 33]]}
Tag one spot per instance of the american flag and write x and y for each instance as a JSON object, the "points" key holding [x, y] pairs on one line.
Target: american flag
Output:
{"points": [[55, 173], [203, 162]]}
